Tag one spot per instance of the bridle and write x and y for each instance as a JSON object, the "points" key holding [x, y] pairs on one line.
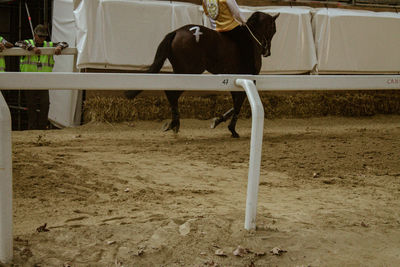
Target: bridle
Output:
{"points": [[255, 38]]}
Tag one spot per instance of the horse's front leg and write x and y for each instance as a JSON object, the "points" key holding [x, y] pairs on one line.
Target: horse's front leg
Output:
{"points": [[173, 97], [238, 99]]}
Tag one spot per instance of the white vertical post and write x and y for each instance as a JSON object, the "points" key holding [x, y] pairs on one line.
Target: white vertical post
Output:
{"points": [[257, 126], [6, 241]]}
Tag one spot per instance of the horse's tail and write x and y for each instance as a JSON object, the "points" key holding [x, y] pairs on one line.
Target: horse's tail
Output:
{"points": [[163, 51]]}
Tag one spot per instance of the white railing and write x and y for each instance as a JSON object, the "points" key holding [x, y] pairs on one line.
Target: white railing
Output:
{"points": [[124, 81], [191, 82], [15, 51]]}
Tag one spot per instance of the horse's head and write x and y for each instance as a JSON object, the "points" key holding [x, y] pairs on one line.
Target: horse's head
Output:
{"points": [[263, 26]]}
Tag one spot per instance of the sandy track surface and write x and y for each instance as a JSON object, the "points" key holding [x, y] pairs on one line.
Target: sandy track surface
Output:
{"points": [[132, 195]]}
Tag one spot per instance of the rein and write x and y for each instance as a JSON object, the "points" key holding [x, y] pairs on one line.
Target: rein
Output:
{"points": [[255, 38]]}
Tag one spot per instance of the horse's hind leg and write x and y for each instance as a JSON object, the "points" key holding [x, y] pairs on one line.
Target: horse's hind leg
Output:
{"points": [[222, 118], [238, 99], [131, 94], [173, 97]]}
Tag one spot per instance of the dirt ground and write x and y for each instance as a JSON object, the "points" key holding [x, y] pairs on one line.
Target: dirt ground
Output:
{"points": [[132, 195]]}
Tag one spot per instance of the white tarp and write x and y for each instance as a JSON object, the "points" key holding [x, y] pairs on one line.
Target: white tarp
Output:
{"points": [[123, 34], [65, 105], [354, 41]]}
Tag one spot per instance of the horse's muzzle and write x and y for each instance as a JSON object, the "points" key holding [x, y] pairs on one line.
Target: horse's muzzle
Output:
{"points": [[266, 53]]}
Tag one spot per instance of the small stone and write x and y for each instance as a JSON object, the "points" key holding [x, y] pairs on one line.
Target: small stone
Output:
{"points": [[220, 252], [184, 229], [316, 174]]}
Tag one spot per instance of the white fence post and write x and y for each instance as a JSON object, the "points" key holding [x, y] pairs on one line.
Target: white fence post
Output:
{"points": [[6, 239], [257, 126]]}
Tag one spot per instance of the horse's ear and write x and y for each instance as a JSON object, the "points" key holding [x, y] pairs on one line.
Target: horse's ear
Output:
{"points": [[276, 16]]}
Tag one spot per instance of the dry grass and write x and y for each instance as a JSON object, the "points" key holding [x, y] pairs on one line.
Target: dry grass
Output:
{"points": [[276, 105]]}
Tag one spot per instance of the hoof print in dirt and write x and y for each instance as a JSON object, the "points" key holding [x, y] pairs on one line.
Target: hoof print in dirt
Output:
{"points": [[277, 251], [240, 251], [211, 263], [25, 253], [42, 228], [221, 253]]}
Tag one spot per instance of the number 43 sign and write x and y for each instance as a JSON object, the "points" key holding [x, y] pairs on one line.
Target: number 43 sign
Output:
{"points": [[226, 81]]}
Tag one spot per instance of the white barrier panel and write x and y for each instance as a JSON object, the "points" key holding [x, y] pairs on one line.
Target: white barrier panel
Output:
{"points": [[122, 35], [357, 41], [6, 240], [131, 38]]}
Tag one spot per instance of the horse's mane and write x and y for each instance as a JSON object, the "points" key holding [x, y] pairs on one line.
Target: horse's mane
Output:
{"points": [[254, 18]]}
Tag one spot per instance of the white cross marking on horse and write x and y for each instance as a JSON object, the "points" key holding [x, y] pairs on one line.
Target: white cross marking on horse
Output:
{"points": [[197, 32]]}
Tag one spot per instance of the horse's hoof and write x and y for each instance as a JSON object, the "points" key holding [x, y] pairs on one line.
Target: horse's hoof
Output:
{"points": [[166, 126], [171, 126], [232, 130], [235, 135], [175, 129], [214, 123]]}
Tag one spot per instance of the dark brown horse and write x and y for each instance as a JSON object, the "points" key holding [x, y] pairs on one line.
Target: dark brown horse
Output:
{"points": [[193, 49]]}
